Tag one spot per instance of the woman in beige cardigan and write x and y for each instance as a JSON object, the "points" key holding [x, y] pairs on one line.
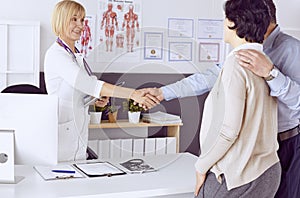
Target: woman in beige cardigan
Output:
{"points": [[238, 135]]}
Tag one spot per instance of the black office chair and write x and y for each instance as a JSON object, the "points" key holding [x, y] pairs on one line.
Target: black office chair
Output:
{"points": [[91, 154], [23, 89]]}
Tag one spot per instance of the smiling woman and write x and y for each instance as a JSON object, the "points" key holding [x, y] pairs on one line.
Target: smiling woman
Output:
{"points": [[68, 76], [68, 26]]}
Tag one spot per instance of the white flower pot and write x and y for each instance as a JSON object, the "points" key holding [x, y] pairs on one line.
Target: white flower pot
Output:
{"points": [[134, 117], [95, 117]]}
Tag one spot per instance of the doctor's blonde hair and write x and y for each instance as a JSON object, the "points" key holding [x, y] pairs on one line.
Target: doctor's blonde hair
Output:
{"points": [[62, 14]]}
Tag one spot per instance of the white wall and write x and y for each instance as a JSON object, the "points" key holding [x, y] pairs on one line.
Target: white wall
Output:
{"points": [[288, 16], [155, 13]]}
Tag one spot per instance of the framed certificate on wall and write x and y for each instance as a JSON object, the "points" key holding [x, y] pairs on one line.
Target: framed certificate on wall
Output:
{"points": [[209, 52], [180, 51], [153, 48]]}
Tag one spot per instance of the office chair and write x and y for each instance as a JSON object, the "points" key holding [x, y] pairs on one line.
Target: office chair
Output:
{"points": [[91, 154], [23, 89]]}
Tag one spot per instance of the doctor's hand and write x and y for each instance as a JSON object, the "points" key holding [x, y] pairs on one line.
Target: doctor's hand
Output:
{"points": [[102, 101], [200, 178], [255, 61], [155, 92], [144, 99]]}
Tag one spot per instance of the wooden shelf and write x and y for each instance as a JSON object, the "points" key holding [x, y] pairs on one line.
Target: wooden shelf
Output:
{"points": [[172, 131], [125, 124]]}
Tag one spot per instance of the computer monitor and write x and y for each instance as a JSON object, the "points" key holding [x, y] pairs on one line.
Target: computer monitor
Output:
{"points": [[34, 119]]}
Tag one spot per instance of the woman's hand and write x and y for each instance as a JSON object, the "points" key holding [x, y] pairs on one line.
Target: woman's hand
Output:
{"points": [[200, 178]]}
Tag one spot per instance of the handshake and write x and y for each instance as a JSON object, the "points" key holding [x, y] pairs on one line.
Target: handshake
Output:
{"points": [[146, 98]]}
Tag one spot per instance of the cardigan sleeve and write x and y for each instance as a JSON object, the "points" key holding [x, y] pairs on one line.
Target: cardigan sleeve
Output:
{"points": [[233, 90]]}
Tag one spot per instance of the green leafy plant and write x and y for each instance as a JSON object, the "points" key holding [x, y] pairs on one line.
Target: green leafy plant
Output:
{"points": [[112, 112], [131, 106], [100, 109], [109, 108], [113, 108]]}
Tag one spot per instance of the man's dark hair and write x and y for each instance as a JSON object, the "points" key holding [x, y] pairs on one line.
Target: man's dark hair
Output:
{"points": [[251, 18], [272, 10]]}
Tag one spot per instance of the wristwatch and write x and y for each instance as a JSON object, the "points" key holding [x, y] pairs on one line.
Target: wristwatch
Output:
{"points": [[273, 74]]}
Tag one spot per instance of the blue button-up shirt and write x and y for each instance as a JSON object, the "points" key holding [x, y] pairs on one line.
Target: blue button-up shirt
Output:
{"points": [[284, 51]]}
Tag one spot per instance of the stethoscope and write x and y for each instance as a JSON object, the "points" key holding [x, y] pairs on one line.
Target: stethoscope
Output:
{"points": [[136, 165], [86, 66], [87, 97]]}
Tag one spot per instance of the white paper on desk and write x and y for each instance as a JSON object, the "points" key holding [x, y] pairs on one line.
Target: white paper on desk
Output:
{"points": [[99, 168], [47, 174]]}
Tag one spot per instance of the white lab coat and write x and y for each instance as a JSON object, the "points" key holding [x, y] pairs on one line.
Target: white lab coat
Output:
{"points": [[68, 79]]}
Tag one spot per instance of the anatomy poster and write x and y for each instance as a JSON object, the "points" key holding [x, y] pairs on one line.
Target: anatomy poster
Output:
{"points": [[86, 43], [119, 32]]}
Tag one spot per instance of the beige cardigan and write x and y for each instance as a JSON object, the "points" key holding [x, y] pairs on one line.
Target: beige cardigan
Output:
{"points": [[238, 136]]}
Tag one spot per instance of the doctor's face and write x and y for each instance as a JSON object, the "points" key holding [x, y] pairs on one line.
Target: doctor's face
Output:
{"points": [[73, 31]]}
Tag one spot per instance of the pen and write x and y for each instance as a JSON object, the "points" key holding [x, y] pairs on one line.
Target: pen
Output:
{"points": [[64, 171]]}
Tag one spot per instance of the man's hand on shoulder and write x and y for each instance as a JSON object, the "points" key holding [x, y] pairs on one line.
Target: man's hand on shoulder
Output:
{"points": [[255, 61]]}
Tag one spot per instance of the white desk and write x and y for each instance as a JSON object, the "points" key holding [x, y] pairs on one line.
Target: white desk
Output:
{"points": [[175, 178]]}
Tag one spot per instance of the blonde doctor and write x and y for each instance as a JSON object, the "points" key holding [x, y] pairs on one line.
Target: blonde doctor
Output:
{"points": [[68, 76]]}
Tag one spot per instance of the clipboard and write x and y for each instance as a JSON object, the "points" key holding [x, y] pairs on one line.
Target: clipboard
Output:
{"points": [[88, 100], [99, 169], [47, 173]]}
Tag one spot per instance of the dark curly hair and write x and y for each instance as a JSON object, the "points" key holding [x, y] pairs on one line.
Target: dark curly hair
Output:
{"points": [[272, 10], [251, 18]]}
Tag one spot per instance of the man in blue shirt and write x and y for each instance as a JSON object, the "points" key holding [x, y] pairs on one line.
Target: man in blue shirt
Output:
{"points": [[283, 77]]}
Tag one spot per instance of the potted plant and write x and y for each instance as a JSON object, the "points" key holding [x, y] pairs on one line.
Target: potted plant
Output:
{"points": [[134, 111], [112, 112], [96, 114]]}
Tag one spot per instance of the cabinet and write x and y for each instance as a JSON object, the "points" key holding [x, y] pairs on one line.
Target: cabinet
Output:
{"points": [[19, 53], [173, 130]]}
